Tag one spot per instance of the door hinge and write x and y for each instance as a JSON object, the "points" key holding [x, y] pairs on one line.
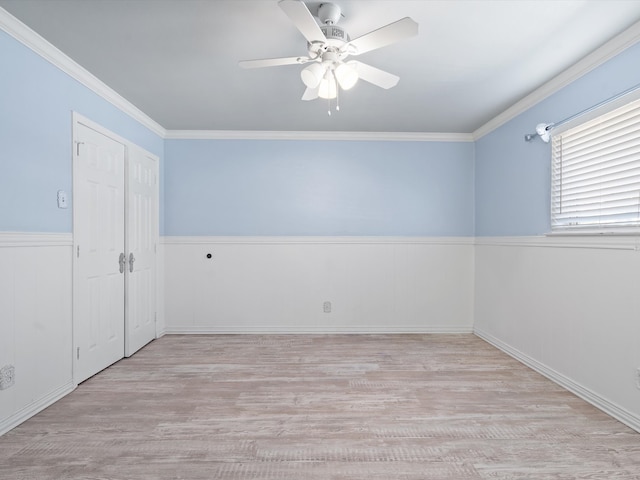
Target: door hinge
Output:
{"points": [[78, 251], [78, 148], [78, 353]]}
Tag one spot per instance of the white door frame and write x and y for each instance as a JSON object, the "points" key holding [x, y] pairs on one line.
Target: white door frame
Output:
{"points": [[80, 119]]}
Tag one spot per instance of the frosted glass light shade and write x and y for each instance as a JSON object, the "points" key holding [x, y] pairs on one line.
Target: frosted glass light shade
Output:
{"points": [[328, 87], [346, 75], [312, 75]]}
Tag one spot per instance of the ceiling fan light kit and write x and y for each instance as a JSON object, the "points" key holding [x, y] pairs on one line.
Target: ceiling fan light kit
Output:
{"points": [[328, 45], [312, 75], [328, 88], [346, 75]]}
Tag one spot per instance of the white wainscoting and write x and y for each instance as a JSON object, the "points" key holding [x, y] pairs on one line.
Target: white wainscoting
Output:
{"points": [[279, 284], [570, 309], [567, 307], [35, 322]]}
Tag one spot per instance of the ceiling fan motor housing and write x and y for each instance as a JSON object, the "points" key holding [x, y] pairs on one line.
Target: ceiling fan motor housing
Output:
{"points": [[329, 14], [336, 36]]}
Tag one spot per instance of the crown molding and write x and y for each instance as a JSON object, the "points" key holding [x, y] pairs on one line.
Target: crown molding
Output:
{"points": [[596, 58], [22, 33], [313, 135], [53, 55]]}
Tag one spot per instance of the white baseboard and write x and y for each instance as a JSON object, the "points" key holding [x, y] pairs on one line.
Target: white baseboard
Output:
{"points": [[593, 398], [32, 409], [280, 330]]}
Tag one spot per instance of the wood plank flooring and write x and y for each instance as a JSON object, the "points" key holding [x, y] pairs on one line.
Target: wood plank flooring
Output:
{"points": [[311, 407]]}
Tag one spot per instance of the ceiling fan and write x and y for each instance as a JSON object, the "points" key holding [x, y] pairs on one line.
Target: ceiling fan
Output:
{"points": [[328, 47]]}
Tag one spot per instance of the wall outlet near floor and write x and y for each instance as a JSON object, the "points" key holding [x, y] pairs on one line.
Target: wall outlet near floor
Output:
{"points": [[7, 377], [326, 307]]}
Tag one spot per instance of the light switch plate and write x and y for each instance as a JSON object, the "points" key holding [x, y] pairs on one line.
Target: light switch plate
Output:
{"points": [[62, 199]]}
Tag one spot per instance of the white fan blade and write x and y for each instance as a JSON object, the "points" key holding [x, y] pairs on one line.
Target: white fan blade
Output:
{"points": [[301, 17], [310, 93], [374, 75], [383, 36], [273, 62]]}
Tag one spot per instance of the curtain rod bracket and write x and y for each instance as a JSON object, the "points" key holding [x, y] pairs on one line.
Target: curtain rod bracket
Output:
{"points": [[542, 131]]}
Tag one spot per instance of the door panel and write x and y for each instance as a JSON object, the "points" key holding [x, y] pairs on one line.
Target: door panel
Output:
{"points": [[142, 239], [99, 181]]}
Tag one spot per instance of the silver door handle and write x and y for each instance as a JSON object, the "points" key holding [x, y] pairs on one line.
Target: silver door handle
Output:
{"points": [[122, 260], [131, 260]]}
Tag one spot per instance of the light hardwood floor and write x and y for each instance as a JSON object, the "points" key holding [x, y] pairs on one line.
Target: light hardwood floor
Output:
{"points": [[309, 407]]}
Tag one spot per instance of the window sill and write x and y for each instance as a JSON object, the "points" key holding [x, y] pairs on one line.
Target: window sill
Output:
{"points": [[595, 233]]}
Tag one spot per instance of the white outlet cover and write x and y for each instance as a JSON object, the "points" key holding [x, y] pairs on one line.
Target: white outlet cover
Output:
{"points": [[7, 377]]}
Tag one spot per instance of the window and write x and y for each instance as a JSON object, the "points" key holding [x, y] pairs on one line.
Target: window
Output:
{"points": [[595, 184]]}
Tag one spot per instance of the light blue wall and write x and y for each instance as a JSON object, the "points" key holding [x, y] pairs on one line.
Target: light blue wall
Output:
{"points": [[36, 101], [226, 187], [282, 187], [513, 177], [273, 187]]}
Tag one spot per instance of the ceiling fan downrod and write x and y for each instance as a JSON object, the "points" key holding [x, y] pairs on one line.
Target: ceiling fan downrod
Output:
{"points": [[329, 13]]}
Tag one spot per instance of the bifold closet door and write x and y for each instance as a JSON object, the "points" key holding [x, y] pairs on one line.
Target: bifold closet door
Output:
{"points": [[99, 251]]}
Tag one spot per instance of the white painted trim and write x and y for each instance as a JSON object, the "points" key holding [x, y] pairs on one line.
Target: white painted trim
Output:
{"points": [[595, 242], [249, 240], [160, 293], [612, 242], [34, 408], [565, 382], [35, 239], [596, 58], [280, 330], [53, 55], [319, 135], [78, 118]]}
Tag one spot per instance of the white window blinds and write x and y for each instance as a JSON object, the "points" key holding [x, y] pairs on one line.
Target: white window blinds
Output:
{"points": [[595, 182]]}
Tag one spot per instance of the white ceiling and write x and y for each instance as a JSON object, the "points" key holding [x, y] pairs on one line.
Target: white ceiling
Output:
{"points": [[177, 60]]}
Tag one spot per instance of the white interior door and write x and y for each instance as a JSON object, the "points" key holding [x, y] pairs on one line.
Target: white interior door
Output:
{"points": [[99, 247], [142, 241]]}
